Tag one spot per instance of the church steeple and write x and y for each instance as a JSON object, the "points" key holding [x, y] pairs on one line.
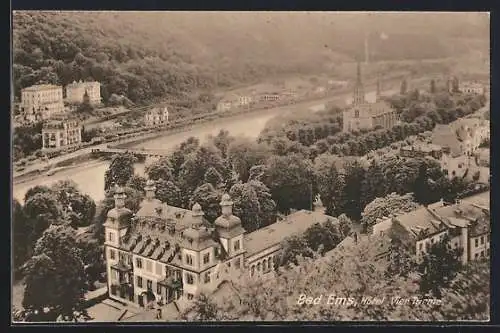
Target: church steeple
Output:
{"points": [[359, 93]]}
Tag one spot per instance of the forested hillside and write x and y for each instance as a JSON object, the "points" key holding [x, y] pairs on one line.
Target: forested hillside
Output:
{"points": [[154, 55]]}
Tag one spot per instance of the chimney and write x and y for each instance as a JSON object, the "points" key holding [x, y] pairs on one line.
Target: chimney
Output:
{"points": [[150, 189], [197, 214], [226, 205], [119, 197]]}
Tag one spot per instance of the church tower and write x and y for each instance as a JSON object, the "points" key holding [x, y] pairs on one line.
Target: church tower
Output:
{"points": [[359, 93]]}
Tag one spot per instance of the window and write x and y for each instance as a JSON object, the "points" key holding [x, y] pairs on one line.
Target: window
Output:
{"points": [[476, 242], [237, 245], [237, 263], [139, 282], [487, 238], [228, 264], [189, 259], [482, 240], [258, 267], [112, 254], [111, 237], [190, 296], [487, 252], [138, 262], [189, 278], [482, 254], [206, 258], [476, 255], [149, 284], [252, 270], [420, 246], [207, 277], [149, 266], [356, 113]]}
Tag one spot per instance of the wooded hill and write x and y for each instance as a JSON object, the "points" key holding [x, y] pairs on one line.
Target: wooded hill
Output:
{"points": [[153, 55]]}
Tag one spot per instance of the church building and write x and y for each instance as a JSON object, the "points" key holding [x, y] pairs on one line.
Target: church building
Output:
{"points": [[365, 115]]}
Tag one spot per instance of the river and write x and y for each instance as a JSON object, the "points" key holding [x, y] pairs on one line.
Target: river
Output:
{"points": [[90, 177]]}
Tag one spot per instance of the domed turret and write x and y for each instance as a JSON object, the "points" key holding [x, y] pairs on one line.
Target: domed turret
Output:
{"points": [[120, 215], [197, 215], [227, 220]]}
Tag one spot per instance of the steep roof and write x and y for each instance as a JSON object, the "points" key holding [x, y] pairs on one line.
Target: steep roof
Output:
{"points": [[294, 224]]}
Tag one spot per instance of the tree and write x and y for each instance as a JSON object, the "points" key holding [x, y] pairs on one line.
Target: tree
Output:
{"points": [[345, 225], [160, 169], [439, 267], [208, 198], [328, 181], [196, 165], [350, 200], [290, 180], [322, 237], [168, 192], [267, 212], [243, 154], [401, 261], [79, 208], [41, 211], [212, 176], [246, 206], [60, 285], [203, 309], [222, 141], [120, 170], [137, 182], [184, 149], [292, 248], [386, 206], [92, 257], [374, 184]]}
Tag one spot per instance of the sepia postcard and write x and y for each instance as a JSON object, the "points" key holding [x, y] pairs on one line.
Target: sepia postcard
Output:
{"points": [[250, 166]]}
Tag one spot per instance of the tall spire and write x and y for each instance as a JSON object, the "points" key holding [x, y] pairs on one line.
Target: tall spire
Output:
{"points": [[359, 93]]}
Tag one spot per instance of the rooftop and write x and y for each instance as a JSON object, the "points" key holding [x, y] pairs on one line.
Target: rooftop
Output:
{"points": [[39, 87], [84, 83], [293, 224], [423, 147]]}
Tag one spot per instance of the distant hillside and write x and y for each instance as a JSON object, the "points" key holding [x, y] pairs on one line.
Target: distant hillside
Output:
{"points": [[153, 55]]}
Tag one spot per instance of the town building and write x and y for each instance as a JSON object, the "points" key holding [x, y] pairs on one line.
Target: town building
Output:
{"points": [[79, 92], [467, 224], [164, 254], [156, 116], [223, 106], [57, 134], [421, 149], [41, 102], [364, 115], [460, 140], [471, 88], [270, 97]]}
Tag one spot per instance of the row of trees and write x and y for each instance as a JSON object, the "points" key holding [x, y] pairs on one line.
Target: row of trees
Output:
{"points": [[419, 113]]}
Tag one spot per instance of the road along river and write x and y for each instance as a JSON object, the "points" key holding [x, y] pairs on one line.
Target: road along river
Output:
{"points": [[90, 176]]}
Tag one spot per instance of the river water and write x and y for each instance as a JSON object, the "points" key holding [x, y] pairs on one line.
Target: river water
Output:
{"points": [[90, 177]]}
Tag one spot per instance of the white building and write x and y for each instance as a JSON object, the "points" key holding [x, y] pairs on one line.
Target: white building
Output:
{"points": [[467, 223], [41, 102], [471, 88], [58, 134], [172, 254], [76, 92], [156, 116]]}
